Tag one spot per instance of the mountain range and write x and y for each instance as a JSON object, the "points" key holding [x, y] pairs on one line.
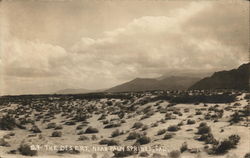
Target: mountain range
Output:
{"points": [[233, 79], [238, 79], [145, 84]]}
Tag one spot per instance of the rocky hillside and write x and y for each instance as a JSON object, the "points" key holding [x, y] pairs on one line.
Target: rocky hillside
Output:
{"points": [[233, 79]]}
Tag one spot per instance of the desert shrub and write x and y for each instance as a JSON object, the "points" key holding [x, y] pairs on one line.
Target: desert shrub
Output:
{"points": [[137, 125], [154, 124], [116, 133], [144, 127], [247, 96], [235, 117], [198, 112], [82, 138], [133, 135], [207, 117], [25, 149], [247, 155], [186, 110], [109, 142], [7, 122], [246, 110], [56, 134], [58, 127], [105, 122], [184, 147], [91, 130], [168, 116], [225, 145], [113, 125], [51, 125], [12, 152], [203, 129], [104, 142], [190, 122], [173, 128], [70, 123], [4, 143], [168, 136], [79, 127], [35, 129], [124, 153], [121, 115], [81, 132], [94, 137], [9, 135], [174, 154], [102, 117], [144, 154], [202, 124], [109, 103], [162, 121], [123, 121], [161, 131], [234, 139], [208, 138], [143, 140], [157, 155]]}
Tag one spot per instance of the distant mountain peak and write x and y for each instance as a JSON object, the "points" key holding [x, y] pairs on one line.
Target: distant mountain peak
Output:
{"points": [[145, 84]]}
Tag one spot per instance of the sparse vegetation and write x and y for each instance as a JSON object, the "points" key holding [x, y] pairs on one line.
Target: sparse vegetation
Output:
{"points": [[91, 130], [161, 131], [83, 138], [137, 125], [184, 147], [203, 128], [173, 128], [247, 155], [225, 145], [109, 142], [116, 117], [7, 122], [174, 154], [3, 142], [56, 134], [168, 136], [25, 149], [133, 135], [190, 122], [35, 129], [126, 152], [143, 140]]}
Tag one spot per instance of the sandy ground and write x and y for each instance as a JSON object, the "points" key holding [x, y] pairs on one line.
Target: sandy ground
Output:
{"points": [[185, 134]]}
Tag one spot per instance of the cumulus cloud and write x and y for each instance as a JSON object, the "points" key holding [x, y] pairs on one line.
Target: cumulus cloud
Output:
{"points": [[191, 38], [150, 45], [30, 59]]}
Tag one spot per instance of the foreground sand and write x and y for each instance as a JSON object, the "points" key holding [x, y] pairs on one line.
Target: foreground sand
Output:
{"points": [[221, 129]]}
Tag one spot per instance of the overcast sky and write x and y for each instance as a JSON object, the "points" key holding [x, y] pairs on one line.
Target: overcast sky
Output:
{"points": [[48, 45]]}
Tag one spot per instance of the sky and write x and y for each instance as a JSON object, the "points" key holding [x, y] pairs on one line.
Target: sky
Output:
{"points": [[49, 45]]}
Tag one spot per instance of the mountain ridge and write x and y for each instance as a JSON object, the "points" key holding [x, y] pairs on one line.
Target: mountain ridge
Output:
{"points": [[145, 84], [227, 79]]}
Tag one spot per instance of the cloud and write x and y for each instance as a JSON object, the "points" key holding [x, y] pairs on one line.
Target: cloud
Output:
{"points": [[30, 59], [150, 45], [198, 37]]}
